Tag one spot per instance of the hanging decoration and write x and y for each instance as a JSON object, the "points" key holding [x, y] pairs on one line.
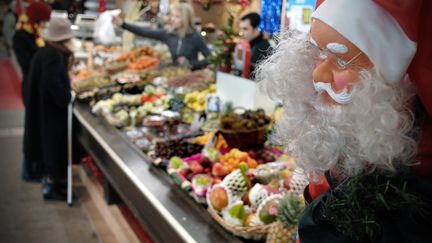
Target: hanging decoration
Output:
{"points": [[243, 3], [270, 16], [205, 4], [102, 6]]}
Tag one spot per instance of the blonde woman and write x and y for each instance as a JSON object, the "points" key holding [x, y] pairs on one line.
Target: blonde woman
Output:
{"points": [[183, 41]]}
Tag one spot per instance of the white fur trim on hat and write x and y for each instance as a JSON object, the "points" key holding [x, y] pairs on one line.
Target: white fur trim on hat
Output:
{"points": [[374, 31]]}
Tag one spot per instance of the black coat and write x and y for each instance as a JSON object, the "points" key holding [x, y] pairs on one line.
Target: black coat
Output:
{"points": [[48, 91], [24, 45], [401, 225]]}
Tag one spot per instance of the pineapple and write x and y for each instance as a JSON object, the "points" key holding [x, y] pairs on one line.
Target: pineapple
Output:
{"points": [[279, 233], [289, 212]]}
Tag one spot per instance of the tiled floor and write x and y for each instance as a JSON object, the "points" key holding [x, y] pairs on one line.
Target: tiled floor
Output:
{"points": [[24, 215]]}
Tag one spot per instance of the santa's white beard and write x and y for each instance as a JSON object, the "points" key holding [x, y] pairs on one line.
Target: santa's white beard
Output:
{"points": [[367, 134]]}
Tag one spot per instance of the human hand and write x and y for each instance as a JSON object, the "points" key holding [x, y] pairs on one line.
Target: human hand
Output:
{"points": [[181, 60], [117, 21]]}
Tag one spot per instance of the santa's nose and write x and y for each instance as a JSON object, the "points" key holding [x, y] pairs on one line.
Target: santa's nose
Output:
{"points": [[323, 72], [339, 79]]}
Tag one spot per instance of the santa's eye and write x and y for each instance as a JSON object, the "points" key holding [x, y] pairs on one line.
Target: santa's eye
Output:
{"points": [[322, 56], [341, 63]]}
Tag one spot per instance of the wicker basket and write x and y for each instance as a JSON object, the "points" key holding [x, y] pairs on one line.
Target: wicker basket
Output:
{"points": [[251, 232], [245, 139]]}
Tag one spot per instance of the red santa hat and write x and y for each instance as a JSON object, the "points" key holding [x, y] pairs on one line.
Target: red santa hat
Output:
{"points": [[378, 28]]}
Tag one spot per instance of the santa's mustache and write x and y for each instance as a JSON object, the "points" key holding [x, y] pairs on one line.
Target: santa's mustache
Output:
{"points": [[342, 97]]}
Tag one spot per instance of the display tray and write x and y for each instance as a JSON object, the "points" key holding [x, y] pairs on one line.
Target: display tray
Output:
{"points": [[167, 212]]}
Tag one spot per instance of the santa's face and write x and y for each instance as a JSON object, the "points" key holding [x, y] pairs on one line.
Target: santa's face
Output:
{"points": [[323, 130], [338, 63]]}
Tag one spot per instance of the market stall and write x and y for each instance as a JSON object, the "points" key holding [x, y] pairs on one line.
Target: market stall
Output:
{"points": [[166, 211], [167, 139], [187, 147]]}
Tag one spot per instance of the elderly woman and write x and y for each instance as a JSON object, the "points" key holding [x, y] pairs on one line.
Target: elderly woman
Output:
{"points": [[49, 94], [183, 41]]}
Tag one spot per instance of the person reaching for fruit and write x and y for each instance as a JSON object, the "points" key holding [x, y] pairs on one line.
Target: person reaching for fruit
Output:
{"points": [[184, 42]]}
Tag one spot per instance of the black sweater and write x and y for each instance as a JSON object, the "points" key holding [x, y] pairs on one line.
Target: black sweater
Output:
{"points": [[260, 48]]}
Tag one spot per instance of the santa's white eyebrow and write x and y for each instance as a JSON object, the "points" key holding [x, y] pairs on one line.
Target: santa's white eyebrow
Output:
{"points": [[313, 42], [337, 48]]}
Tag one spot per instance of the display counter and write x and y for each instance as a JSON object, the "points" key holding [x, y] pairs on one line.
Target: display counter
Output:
{"points": [[166, 211]]}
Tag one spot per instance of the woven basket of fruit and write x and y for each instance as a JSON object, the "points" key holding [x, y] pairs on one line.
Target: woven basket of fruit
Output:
{"points": [[246, 129], [248, 232], [245, 139]]}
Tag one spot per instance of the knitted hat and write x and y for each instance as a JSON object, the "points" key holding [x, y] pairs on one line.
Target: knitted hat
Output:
{"points": [[58, 29], [38, 11], [383, 34], [30, 20]]}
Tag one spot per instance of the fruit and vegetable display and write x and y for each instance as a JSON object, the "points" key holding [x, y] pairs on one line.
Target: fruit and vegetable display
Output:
{"points": [[108, 49], [143, 63], [128, 70], [171, 72], [218, 162], [243, 201], [222, 161], [197, 100], [129, 110], [220, 142], [247, 120], [89, 81], [135, 54], [196, 80], [172, 148]]}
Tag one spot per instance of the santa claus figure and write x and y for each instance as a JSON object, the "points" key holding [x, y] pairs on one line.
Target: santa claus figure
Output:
{"points": [[356, 122]]}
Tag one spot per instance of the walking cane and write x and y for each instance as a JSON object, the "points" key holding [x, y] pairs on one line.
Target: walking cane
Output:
{"points": [[69, 168]]}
